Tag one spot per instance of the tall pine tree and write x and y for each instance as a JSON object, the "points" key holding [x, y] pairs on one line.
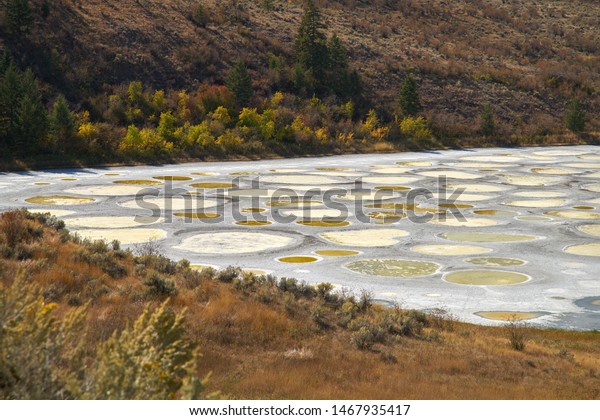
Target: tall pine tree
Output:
{"points": [[240, 83], [62, 121], [408, 100], [575, 117], [487, 126], [18, 18], [311, 47]]}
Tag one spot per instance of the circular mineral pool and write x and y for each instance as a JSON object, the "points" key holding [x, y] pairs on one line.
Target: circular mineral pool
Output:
{"points": [[253, 210], [535, 203], [298, 259], [569, 214], [126, 236], [203, 174], [553, 171], [496, 261], [496, 213], [288, 170], [197, 215], [450, 174], [173, 178], [508, 316], [392, 188], [336, 252], [386, 216], [450, 250], [244, 173], [188, 205], [323, 223], [583, 165], [486, 277], [393, 268], [234, 242], [107, 190], [365, 237], [592, 187], [486, 237], [114, 222], [415, 163], [529, 180], [213, 185], [472, 222], [593, 230], [60, 200], [137, 182], [455, 206], [255, 223], [588, 250], [294, 203]]}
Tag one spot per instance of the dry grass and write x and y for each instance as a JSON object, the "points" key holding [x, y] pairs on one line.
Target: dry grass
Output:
{"points": [[260, 342]]}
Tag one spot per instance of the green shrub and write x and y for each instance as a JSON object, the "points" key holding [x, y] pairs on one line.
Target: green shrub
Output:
{"points": [[516, 335], [200, 17], [151, 360], [159, 287], [363, 338], [415, 129], [318, 314]]}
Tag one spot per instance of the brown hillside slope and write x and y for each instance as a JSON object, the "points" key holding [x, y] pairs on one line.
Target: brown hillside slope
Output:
{"points": [[526, 58], [265, 338]]}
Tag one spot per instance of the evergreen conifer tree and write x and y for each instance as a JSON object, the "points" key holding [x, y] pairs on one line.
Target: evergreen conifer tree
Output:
{"points": [[18, 18], [311, 45], [487, 126], [240, 83], [575, 117], [409, 102]]}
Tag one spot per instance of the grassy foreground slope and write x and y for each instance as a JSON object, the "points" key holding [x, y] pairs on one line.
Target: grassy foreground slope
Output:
{"points": [[68, 329]]}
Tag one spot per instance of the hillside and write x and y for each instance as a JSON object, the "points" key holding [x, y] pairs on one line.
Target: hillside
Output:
{"points": [[67, 330], [525, 58]]}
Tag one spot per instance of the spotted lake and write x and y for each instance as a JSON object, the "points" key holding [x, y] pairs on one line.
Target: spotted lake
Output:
{"points": [[487, 234]]}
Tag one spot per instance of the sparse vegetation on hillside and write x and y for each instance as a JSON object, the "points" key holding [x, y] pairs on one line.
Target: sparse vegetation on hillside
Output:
{"points": [[333, 61], [81, 319]]}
